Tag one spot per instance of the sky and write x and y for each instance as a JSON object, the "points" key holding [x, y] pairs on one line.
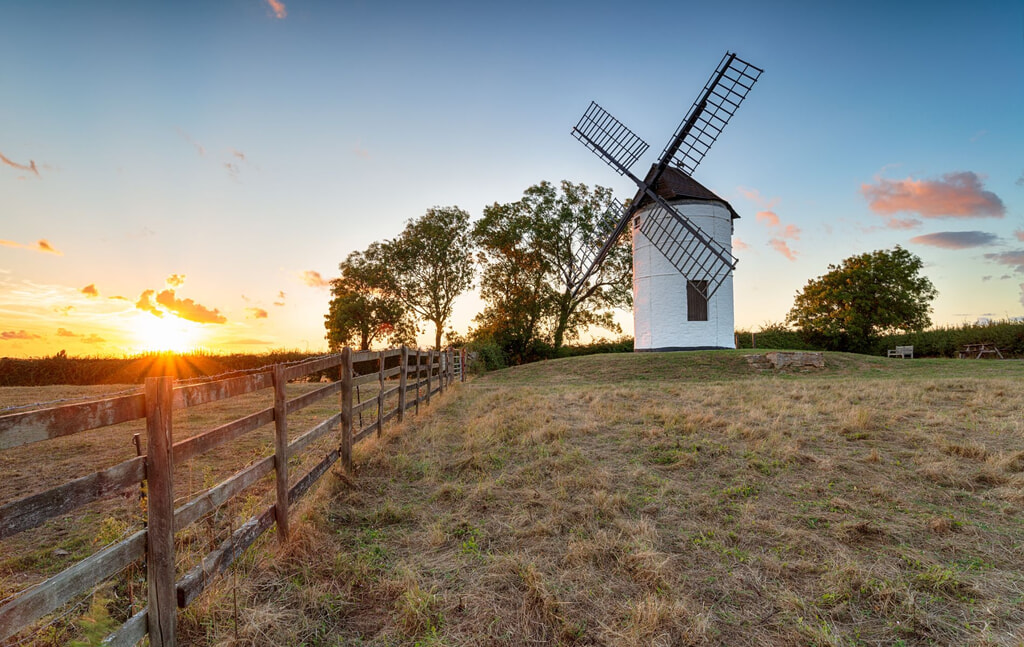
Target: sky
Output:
{"points": [[190, 174]]}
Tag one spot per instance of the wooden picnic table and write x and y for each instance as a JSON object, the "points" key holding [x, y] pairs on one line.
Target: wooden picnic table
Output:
{"points": [[977, 351]]}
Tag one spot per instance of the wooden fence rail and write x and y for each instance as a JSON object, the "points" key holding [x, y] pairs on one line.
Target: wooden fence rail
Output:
{"points": [[419, 373]]}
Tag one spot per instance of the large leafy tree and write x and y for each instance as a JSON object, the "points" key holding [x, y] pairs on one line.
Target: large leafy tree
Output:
{"points": [[361, 311], [866, 296], [429, 264], [529, 251]]}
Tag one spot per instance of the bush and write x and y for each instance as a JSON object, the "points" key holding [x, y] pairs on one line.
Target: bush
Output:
{"points": [[774, 335]]}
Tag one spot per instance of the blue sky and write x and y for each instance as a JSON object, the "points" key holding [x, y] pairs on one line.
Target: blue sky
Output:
{"points": [[244, 147]]}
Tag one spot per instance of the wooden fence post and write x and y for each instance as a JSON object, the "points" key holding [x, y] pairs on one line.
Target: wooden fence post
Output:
{"points": [[430, 372], [442, 368], [162, 616], [346, 409], [462, 372], [281, 453], [401, 382], [418, 375], [380, 398]]}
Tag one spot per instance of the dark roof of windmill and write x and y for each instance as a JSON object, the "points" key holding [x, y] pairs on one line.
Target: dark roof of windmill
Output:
{"points": [[676, 185]]}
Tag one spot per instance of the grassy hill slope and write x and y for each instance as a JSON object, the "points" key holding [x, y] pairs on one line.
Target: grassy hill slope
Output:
{"points": [[667, 499]]}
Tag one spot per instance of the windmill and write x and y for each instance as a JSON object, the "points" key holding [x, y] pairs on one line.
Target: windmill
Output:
{"points": [[682, 232]]}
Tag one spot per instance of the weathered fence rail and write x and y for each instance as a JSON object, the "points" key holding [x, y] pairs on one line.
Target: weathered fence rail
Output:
{"points": [[421, 372]]}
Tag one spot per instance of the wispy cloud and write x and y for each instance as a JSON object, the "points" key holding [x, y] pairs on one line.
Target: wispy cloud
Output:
{"points": [[954, 195], [8, 335], [86, 339], [30, 167], [42, 245], [175, 280], [280, 298], [738, 244], [237, 153], [90, 290], [1020, 180], [1019, 234], [313, 279], [1014, 259], [978, 135], [986, 278], [780, 232], [189, 309], [280, 11], [199, 147], [956, 239], [783, 248], [255, 313]]}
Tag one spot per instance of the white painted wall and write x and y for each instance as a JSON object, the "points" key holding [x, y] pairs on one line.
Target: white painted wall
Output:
{"points": [[659, 290]]}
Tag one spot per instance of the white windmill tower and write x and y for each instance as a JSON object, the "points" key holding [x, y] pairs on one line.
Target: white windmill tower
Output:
{"points": [[682, 232]]}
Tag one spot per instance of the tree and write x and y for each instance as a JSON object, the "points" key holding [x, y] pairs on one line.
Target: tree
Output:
{"points": [[867, 296], [361, 311], [430, 264], [529, 252]]}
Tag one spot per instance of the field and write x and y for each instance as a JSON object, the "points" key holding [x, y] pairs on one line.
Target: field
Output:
{"points": [[661, 499]]}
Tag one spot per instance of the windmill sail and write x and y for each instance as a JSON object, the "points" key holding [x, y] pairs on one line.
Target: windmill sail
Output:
{"points": [[709, 114], [616, 144]]}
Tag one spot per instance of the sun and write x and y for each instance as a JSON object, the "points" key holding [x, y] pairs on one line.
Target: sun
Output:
{"points": [[167, 333]]}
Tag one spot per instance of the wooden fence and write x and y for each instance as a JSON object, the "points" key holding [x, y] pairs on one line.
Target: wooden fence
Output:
{"points": [[426, 372]]}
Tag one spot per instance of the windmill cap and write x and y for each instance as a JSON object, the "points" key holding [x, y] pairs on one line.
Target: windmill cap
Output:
{"points": [[676, 185]]}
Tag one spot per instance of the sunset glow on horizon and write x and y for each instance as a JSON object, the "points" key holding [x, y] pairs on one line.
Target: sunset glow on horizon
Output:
{"points": [[174, 180]]}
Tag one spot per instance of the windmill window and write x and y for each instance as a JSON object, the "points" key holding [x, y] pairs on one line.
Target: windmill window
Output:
{"points": [[696, 301]]}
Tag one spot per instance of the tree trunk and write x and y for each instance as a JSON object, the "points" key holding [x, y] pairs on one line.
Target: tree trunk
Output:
{"points": [[437, 335]]}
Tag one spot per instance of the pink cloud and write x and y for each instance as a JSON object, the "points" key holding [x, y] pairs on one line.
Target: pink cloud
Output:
{"points": [[21, 167], [314, 280], [783, 248], [739, 244], [1019, 234], [955, 195], [256, 313], [7, 335], [769, 218], [278, 8], [791, 231]]}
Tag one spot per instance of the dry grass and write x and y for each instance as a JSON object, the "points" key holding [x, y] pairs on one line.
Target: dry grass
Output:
{"points": [[664, 500]]}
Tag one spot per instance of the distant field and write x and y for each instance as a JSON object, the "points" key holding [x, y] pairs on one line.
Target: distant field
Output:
{"points": [[664, 499]]}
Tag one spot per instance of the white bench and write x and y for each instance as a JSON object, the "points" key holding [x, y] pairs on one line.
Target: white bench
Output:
{"points": [[902, 352]]}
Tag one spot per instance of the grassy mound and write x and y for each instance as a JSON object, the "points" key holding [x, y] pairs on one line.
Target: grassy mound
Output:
{"points": [[666, 499]]}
